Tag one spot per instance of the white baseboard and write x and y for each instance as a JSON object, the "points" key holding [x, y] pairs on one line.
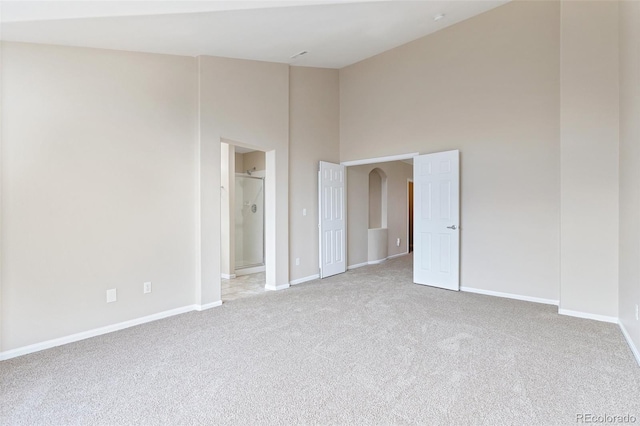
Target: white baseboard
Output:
{"points": [[207, 306], [249, 271], [305, 279], [634, 349], [36, 347], [393, 256], [377, 262], [357, 265], [510, 296], [586, 315], [228, 276], [276, 288]]}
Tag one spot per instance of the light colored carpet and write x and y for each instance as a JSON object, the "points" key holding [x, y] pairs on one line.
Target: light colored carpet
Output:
{"points": [[365, 347]]}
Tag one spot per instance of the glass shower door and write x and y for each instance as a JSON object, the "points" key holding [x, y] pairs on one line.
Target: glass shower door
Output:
{"points": [[249, 214]]}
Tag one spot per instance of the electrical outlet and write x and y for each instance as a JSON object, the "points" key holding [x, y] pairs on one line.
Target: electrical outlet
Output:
{"points": [[112, 296], [304, 212], [637, 312], [297, 261], [398, 242], [146, 287]]}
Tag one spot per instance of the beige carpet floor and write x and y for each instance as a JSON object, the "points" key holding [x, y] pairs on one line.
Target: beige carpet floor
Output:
{"points": [[365, 347]]}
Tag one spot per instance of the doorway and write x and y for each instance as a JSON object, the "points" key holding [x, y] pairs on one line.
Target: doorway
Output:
{"points": [[410, 212], [242, 225], [249, 222], [377, 211], [433, 186]]}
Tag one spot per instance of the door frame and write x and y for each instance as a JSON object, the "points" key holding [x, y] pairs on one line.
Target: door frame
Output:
{"points": [[385, 159], [408, 215]]}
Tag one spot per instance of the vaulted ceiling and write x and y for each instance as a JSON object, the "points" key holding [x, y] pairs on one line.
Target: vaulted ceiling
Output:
{"points": [[333, 33]]}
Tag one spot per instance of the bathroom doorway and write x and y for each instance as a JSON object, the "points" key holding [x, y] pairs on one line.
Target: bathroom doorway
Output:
{"points": [[242, 222], [249, 215]]}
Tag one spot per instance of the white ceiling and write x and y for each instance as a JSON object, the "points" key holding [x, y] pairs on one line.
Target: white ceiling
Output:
{"points": [[335, 33], [242, 150]]}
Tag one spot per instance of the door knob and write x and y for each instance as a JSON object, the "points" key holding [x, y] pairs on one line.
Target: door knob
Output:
{"points": [[452, 227]]}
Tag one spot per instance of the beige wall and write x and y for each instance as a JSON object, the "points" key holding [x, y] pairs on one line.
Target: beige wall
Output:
{"points": [[314, 134], [375, 200], [239, 162], [2, 245], [245, 103], [110, 168], [253, 159], [489, 87], [358, 209], [629, 293], [98, 188], [589, 158], [228, 159]]}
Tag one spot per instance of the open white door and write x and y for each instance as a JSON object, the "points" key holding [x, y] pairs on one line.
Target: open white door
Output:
{"points": [[331, 200], [436, 220]]}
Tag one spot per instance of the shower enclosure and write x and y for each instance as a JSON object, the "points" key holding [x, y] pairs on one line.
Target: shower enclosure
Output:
{"points": [[249, 215]]}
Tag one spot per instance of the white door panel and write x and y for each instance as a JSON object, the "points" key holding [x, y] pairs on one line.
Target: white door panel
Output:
{"points": [[331, 190], [436, 219]]}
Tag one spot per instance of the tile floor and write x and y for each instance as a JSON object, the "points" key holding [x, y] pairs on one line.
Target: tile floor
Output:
{"points": [[243, 286]]}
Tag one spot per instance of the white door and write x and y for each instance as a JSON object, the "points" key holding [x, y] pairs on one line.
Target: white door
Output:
{"points": [[331, 195], [436, 220]]}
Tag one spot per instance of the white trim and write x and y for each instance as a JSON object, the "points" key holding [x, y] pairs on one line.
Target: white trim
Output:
{"points": [[207, 306], [305, 279], [408, 237], [36, 347], [380, 159], [376, 262], [578, 314], [277, 287], [632, 346], [249, 271], [357, 265], [510, 296], [228, 276], [393, 256]]}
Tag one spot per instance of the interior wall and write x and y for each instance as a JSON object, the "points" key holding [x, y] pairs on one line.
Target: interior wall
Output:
{"points": [[397, 173], [1, 197], [375, 200], [629, 290], [488, 86], [245, 103], [314, 134], [238, 228], [589, 158], [254, 159], [227, 210], [239, 162], [98, 188]]}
